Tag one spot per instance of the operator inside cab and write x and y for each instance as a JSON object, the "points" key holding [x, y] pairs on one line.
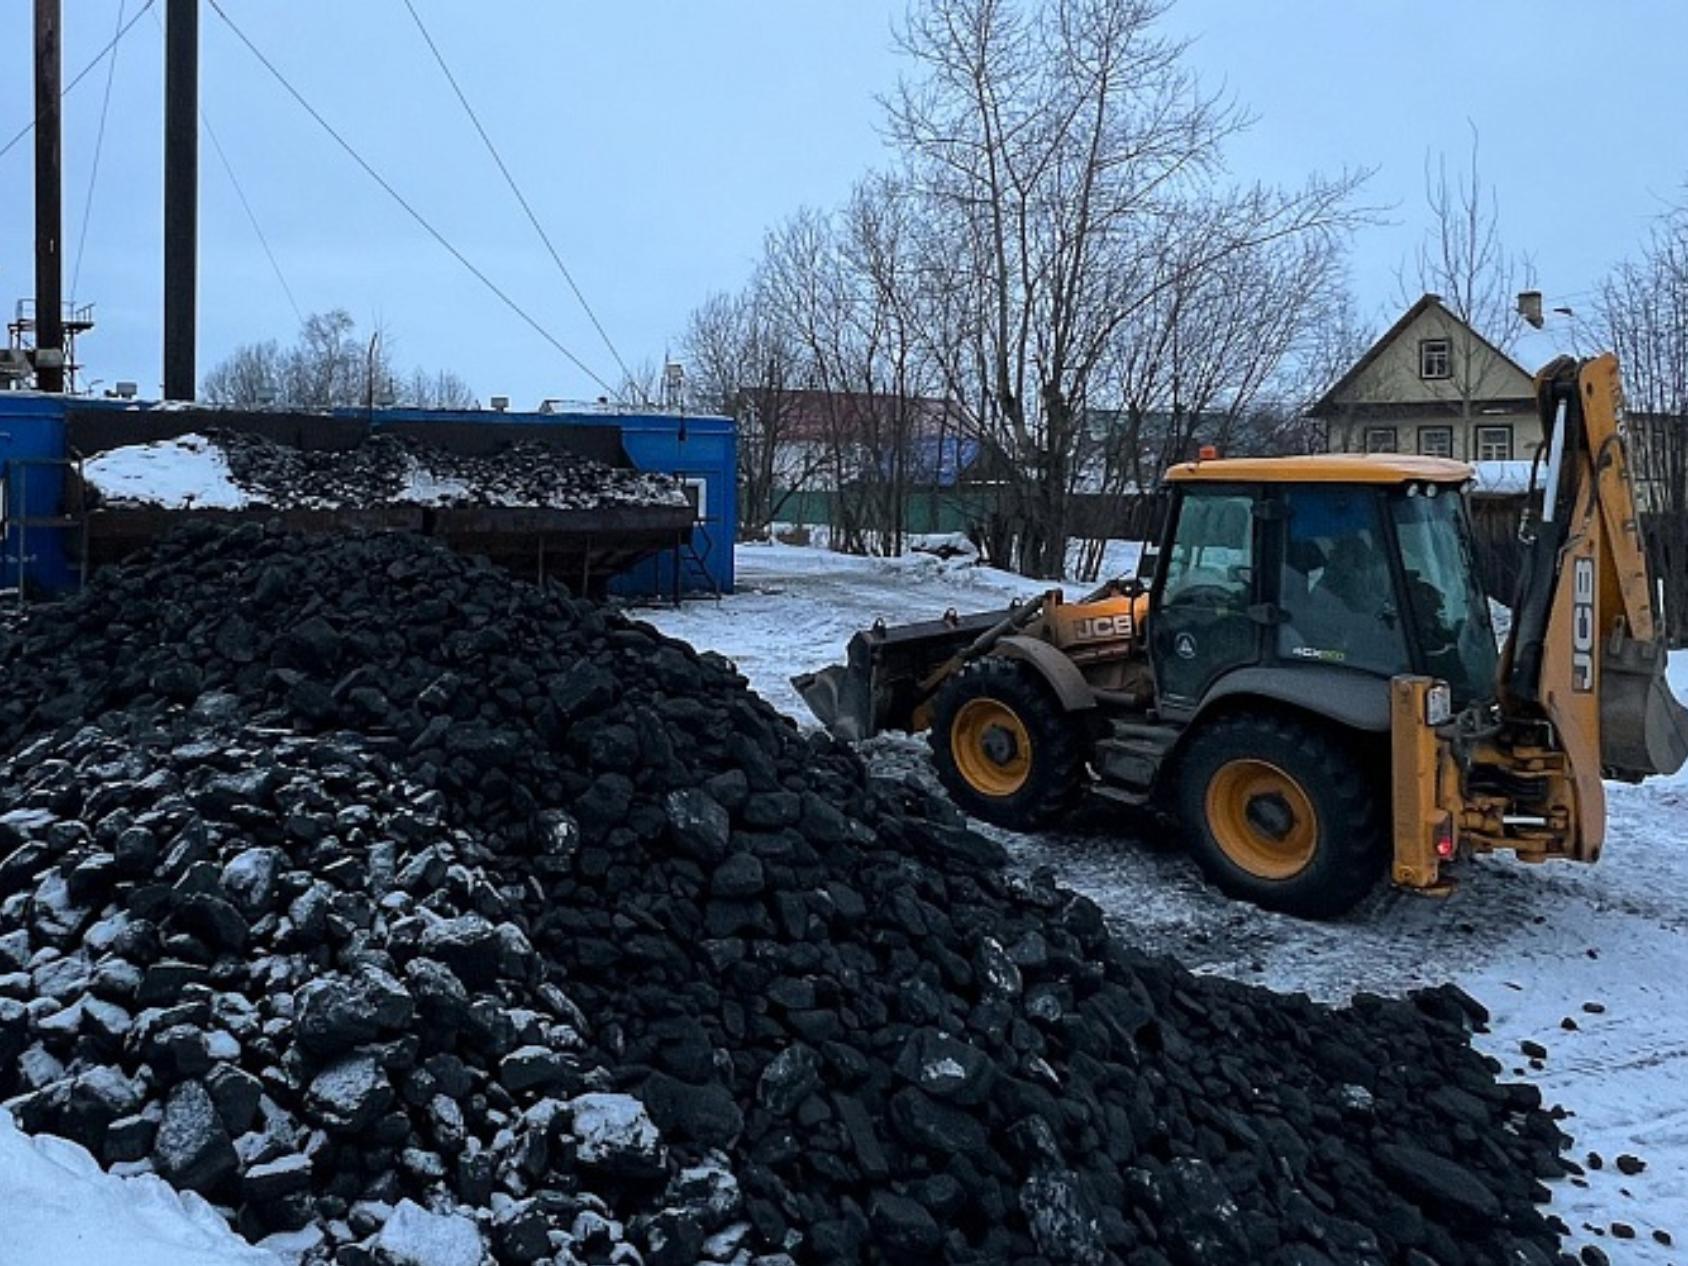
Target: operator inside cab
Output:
{"points": [[1337, 593]]}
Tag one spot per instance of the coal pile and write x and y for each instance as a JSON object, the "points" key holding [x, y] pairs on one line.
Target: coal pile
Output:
{"points": [[390, 470], [356, 885]]}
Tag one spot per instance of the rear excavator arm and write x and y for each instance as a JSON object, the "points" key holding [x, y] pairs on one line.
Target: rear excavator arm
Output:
{"points": [[1586, 652]]}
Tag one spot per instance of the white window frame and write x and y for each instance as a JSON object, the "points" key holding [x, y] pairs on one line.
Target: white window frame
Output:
{"points": [[1482, 443], [1442, 346], [697, 486], [1392, 432], [1444, 432]]}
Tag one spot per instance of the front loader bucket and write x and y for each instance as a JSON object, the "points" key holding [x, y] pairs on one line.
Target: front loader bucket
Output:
{"points": [[841, 699], [879, 685], [1643, 728]]}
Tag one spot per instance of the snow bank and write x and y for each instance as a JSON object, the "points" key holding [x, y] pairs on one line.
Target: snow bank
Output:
{"points": [[188, 472], [58, 1207], [1501, 479]]}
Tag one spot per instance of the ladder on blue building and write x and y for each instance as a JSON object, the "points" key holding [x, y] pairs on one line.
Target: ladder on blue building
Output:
{"points": [[16, 523]]}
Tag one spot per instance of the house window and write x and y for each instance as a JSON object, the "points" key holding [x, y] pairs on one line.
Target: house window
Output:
{"points": [[1381, 439], [1436, 441], [1494, 443], [1435, 359]]}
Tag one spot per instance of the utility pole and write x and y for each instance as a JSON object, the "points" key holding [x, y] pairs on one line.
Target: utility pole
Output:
{"points": [[181, 197], [49, 210]]}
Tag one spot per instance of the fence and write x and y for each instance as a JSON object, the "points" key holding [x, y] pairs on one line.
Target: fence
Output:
{"points": [[1495, 523]]}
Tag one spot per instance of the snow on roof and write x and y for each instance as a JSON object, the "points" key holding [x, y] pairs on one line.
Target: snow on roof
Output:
{"points": [[1501, 479]]}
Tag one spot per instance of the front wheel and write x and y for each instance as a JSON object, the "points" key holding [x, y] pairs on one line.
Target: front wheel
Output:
{"points": [[1283, 813], [1004, 748]]}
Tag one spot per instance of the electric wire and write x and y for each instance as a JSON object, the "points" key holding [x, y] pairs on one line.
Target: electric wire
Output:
{"points": [[94, 171], [82, 74], [240, 192], [521, 198], [426, 225], [251, 216]]}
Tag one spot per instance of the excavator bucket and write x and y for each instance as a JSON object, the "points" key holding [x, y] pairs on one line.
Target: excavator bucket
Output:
{"points": [[881, 682], [1643, 728]]}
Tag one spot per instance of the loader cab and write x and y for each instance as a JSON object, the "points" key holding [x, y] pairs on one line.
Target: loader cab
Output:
{"points": [[1358, 568]]}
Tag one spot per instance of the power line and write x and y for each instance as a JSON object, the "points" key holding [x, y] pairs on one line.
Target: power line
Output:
{"points": [[399, 198], [94, 172], [82, 74], [251, 215], [240, 192], [510, 180]]}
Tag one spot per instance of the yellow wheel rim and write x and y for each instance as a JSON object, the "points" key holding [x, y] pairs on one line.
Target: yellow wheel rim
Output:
{"points": [[1262, 818], [992, 749]]}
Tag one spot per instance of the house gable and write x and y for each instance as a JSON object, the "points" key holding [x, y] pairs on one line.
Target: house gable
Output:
{"points": [[1391, 374]]}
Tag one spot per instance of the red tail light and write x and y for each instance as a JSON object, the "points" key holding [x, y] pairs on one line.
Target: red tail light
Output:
{"points": [[1445, 839]]}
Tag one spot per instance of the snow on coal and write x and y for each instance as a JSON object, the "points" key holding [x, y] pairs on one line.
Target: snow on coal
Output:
{"points": [[234, 470], [391, 902]]}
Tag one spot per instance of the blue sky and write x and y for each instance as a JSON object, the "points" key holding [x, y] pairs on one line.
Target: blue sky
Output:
{"points": [[658, 141]]}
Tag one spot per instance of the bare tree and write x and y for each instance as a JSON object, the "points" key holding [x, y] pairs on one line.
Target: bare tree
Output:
{"points": [[1643, 316], [248, 376], [1337, 337], [1218, 357], [641, 384], [329, 365], [436, 389], [743, 363], [1050, 147], [1463, 260]]}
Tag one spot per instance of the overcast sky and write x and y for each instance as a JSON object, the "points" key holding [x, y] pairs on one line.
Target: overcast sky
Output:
{"points": [[658, 141]]}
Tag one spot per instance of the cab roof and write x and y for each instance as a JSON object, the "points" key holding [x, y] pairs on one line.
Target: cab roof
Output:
{"points": [[1324, 468]]}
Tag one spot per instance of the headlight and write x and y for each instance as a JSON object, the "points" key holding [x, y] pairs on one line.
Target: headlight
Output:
{"points": [[1438, 704]]}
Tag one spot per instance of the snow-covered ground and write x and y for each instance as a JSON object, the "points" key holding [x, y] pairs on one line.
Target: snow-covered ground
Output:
{"points": [[58, 1208], [1604, 947]]}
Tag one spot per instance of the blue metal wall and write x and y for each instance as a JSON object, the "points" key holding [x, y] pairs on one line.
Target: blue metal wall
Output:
{"points": [[32, 430], [703, 451], [700, 450]]}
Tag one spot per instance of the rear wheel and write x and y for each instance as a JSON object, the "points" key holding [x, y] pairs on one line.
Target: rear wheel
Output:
{"points": [[1286, 814], [1004, 748]]}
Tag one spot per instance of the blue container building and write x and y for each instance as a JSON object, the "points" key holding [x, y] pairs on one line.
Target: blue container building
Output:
{"points": [[41, 541]]}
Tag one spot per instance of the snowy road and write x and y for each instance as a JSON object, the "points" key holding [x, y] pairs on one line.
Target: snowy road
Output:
{"points": [[1590, 962]]}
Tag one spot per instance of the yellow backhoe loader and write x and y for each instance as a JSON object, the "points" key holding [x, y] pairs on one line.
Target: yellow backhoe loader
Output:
{"points": [[1305, 671]]}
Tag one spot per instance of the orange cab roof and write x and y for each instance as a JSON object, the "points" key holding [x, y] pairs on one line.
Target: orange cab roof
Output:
{"points": [[1325, 468]]}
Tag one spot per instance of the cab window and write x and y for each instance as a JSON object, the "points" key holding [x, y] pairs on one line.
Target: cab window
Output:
{"points": [[1211, 563], [1336, 589], [1448, 606]]}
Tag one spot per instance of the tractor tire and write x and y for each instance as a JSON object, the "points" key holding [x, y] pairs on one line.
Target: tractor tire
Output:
{"points": [[1004, 748], [1284, 813]]}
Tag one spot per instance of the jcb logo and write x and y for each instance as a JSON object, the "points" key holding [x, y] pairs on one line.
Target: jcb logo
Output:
{"points": [[1582, 624], [1095, 627]]}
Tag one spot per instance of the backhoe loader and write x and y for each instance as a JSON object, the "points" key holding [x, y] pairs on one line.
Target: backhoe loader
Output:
{"points": [[1304, 671]]}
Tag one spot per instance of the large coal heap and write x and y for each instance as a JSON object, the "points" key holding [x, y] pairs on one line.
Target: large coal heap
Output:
{"points": [[390, 469], [352, 884]]}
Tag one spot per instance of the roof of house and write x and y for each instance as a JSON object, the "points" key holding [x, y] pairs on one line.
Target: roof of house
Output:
{"points": [[1328, 402], [811, 415]]}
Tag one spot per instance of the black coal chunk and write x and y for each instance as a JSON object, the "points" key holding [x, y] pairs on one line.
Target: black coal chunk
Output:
{"points": [[192, 1147]]}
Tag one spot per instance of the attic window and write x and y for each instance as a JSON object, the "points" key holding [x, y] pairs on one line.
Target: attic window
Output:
{"points": [[1435, 359]]}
